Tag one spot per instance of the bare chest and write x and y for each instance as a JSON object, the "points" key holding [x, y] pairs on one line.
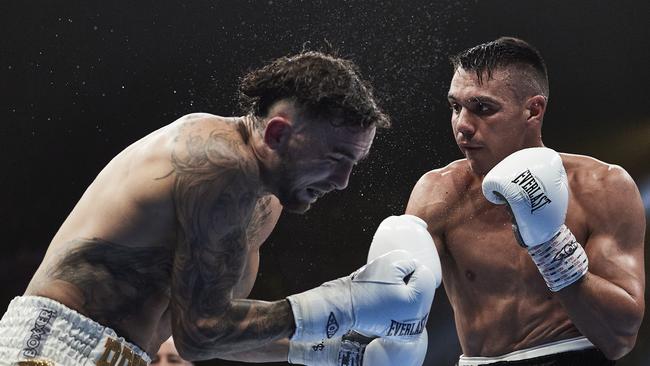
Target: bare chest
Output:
{"points": [[481, 249]]}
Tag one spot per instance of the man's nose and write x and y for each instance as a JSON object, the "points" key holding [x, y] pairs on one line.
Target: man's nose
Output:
{"points": [[465, 124], [341, 176]]}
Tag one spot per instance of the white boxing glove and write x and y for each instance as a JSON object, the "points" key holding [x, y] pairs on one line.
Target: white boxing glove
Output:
{"points": [[534, 184], [407, 232], [356, 350], [370, 301], [406, 341], [402, 351]]}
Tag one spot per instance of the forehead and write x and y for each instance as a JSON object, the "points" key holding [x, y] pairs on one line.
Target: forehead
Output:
{"points": [[465, 84], [355, 143], [354, 138]]}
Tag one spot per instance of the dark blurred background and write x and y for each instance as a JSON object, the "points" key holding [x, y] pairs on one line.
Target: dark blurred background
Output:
{"points": [[79, 81]]}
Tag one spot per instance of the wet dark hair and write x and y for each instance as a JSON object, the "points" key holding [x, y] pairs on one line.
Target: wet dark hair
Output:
{"points": [[321, 85], [505, 52]]}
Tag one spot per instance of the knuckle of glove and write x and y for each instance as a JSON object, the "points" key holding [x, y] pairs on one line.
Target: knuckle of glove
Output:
{"points": [[534, 184], [406, 232], [391, 267], [396, 351]]}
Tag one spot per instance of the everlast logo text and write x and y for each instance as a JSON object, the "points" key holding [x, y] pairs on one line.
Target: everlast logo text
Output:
{"points": [[38, 333], [533, 189], [404, 329]]}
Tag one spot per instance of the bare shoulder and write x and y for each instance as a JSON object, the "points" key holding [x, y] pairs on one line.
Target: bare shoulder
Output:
{"points": [[590, 178], [155, 149], [607, 194], [438, 190], [193, 144], [202, 125], [449, 179], [202, 139]]}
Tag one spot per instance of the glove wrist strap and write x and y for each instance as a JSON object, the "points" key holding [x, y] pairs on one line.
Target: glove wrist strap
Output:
{"points": [[345, 351], [323, 312], [561, 260], [351, 353], [323, 353], [353, 347]]}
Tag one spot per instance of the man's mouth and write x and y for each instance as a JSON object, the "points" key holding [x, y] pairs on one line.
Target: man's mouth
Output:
{"points": [[315, 193], [469, 146]]}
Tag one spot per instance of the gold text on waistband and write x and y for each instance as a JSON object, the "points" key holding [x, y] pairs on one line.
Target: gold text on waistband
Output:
{"points": [[114, 352], [36, 363]]}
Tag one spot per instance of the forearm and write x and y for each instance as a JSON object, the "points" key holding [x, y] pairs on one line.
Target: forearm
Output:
{"points": [[603, 312], [272, 352], [244, 326]]}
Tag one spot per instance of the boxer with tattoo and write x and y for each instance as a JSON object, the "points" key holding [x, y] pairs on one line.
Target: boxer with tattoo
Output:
{"points": [[166, 239]]}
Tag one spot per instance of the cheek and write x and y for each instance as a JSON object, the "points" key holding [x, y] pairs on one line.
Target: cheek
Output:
{"points": [[503, 125], [322, 170], [311, 171], [514, 129], [504, 136]]}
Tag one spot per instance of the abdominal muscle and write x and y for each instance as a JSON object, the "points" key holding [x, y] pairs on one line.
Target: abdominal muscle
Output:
{"points": [[501, 303], [502, 325]]}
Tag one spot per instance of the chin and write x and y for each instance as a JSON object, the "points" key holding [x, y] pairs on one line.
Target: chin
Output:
{"points": [[297, 208], [294, 204]]}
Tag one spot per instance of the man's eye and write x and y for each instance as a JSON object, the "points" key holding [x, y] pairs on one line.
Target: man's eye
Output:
{"points": [[455, 107], [482, 108]]}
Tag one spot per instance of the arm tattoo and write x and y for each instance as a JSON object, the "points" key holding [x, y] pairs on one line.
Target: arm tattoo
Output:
{"points": [[260, 215], [215, 196]]}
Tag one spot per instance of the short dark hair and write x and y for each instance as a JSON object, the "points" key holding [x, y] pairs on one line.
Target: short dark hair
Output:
{"points": [[505, 52], [322, 85]]}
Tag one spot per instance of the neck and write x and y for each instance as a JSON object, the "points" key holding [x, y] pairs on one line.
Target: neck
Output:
{"points": [[533, 138], [534, 141]]}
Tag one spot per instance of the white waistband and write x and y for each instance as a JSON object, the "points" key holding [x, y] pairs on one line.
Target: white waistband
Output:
{"points": [[41, 329], [566, 345]]}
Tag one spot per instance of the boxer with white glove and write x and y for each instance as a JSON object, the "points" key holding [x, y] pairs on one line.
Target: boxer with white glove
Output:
{"points": [[405, 344], [504, 314], [533, 183]]}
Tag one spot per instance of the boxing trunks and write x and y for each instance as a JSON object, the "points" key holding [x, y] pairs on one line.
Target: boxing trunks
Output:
{"points": [[37, 331], [574, 352]]}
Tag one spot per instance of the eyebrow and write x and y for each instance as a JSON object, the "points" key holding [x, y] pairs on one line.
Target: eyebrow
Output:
{"points": [[483, 99], [477, 98]]}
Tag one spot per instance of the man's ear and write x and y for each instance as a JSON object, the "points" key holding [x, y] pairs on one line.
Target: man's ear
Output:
{"points": [[277, 132], [536, 107]]}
